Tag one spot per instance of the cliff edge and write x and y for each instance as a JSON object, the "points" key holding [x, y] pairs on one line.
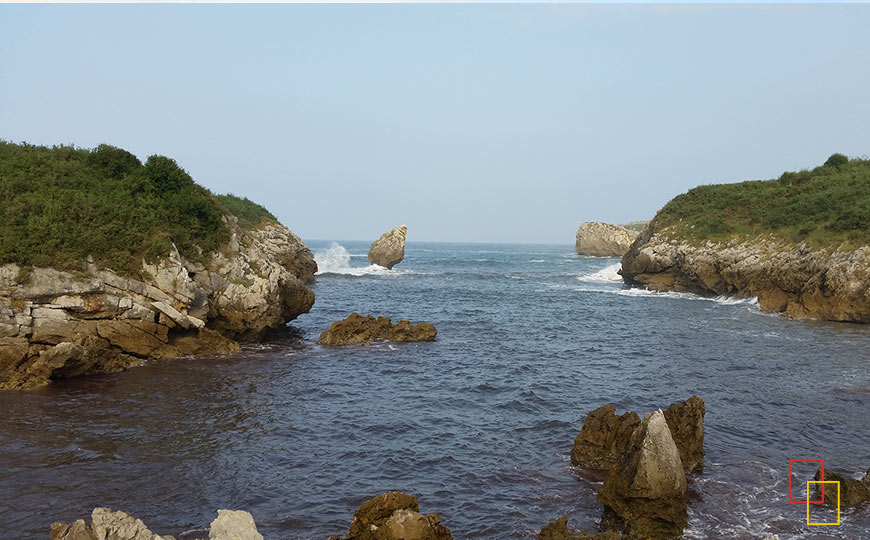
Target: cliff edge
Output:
{"points": [[603, 239], [800, 244]]}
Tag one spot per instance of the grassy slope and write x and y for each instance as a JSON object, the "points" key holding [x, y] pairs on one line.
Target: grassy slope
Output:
{"points": [[827, 206], [61, 204]]}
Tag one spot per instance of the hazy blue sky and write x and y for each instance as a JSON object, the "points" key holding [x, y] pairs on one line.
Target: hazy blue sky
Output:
{"points": [[509, 123]]}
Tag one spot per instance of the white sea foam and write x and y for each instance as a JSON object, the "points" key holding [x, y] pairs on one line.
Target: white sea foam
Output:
{"points": [[537, 260], [606, 274], [336, 260]]}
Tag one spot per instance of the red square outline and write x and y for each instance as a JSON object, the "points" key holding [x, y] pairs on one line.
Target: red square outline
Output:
{"points": [[789, 482]]}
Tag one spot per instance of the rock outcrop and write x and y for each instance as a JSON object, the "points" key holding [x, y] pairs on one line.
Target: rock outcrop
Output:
{"points": [[852, 492], [558, 530], [358, 330], [56, 324], [790, 278], [645, 492], [604, 435], [394, 516], [109, 525], [389, 249], [603, 239]]}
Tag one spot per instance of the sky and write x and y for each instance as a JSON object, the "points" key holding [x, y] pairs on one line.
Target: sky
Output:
{"points": [[468, 123]]}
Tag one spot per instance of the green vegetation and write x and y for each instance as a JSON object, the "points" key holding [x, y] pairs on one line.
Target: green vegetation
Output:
{"points": [[827, 206], [251, 215], [63, 204]]}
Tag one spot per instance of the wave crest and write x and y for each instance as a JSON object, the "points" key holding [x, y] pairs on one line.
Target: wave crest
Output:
{"points": [[605, 275], [336, 260]]}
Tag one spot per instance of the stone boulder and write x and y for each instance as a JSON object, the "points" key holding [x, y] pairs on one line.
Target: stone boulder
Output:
{"points": [[394, 516], [603, 239], [558, 530], [603, 437], [389, 249], [852, 492], [686, 422], [358, 330], [645, 492], [105, 525], [234, 525]]}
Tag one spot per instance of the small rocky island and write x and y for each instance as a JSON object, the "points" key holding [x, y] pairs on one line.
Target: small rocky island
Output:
{"points": [[603, 239], [389, 249], [800, 244], [359, 330], [180, 271]]}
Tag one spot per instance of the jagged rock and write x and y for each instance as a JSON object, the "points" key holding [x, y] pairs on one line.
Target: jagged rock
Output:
{"points": [[78, 530], [603, 239], [389, 249], [645, 492], [603, 437], [686, 422], [558, 530], [105, 525], [98, 321], [794, 279], [852, 492], [234, 525], [358, 330], [394, 516]]}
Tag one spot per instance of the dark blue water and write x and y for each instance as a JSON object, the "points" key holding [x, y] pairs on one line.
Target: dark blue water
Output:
{"points": [[478, 425]]}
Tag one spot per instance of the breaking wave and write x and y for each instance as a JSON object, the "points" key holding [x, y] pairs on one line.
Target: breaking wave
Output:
{"points": [[336, 260], [606, 274]]}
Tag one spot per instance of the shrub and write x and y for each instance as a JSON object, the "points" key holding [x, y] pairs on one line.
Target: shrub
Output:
{"points": [[114, 162], [836, 160]]}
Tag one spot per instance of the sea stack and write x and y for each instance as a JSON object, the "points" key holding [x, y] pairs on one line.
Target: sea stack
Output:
{"points": [[603, 239], [389, 249]]}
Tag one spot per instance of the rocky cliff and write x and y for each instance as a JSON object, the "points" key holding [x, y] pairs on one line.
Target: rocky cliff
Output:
{"points": [[603, 239], [61, 323], [792, 278]]}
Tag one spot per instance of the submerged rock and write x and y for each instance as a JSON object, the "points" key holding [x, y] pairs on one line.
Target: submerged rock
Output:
{"points": [[852, 492], [603, 437], [358, 330], [558, 530], [389, 249], [645, 492], [394, 516], [603, 239]]}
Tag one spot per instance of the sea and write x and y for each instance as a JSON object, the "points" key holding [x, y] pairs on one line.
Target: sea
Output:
{"points": [[478, 425]]}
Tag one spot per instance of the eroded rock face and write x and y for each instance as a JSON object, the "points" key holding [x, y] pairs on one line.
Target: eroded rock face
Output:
{"points": [[389, 249], [358, 330], [105, 525], [785, 277], [603, 239], [558, 530], [56, 324], [603, 437], [394, 516], [645, 492], [852, 492], [234, 525]]}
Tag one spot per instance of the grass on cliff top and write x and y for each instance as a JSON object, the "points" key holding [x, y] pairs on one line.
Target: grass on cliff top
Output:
{"points": [[827, 206], [61, 204]]}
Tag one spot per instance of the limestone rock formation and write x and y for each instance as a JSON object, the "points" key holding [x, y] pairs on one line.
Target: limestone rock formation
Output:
{"points": [[603, 239], [558, 530], [852, 492], [686, 422], [646, 490], [105, 525], [234, 525], [358, 330], [794, 279], [389, 249], [394, 516], [603, 437], [57, 324]]}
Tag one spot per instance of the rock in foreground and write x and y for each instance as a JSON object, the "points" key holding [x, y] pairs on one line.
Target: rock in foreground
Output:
{"points": [[645, 492], [558, 530], [852, 492], [358, 330], [603, 239], [108, 525], [394, 516], [389, 249]]}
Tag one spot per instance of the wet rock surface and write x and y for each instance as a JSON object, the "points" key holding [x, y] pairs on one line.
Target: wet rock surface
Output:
{"points": [[389, 249], [394, 516], [853, 492], [558, 530], [359, 330]]}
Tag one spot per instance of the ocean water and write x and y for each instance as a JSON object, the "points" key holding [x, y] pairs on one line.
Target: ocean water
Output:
{"points": [[478, 425]]}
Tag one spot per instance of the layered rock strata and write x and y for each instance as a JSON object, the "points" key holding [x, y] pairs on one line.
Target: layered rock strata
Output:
{"points": [[57, 324], [389, 249], [603, 239], [645, 492], [793, 279], [394, 516], [359, 330], [605, 436]]}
